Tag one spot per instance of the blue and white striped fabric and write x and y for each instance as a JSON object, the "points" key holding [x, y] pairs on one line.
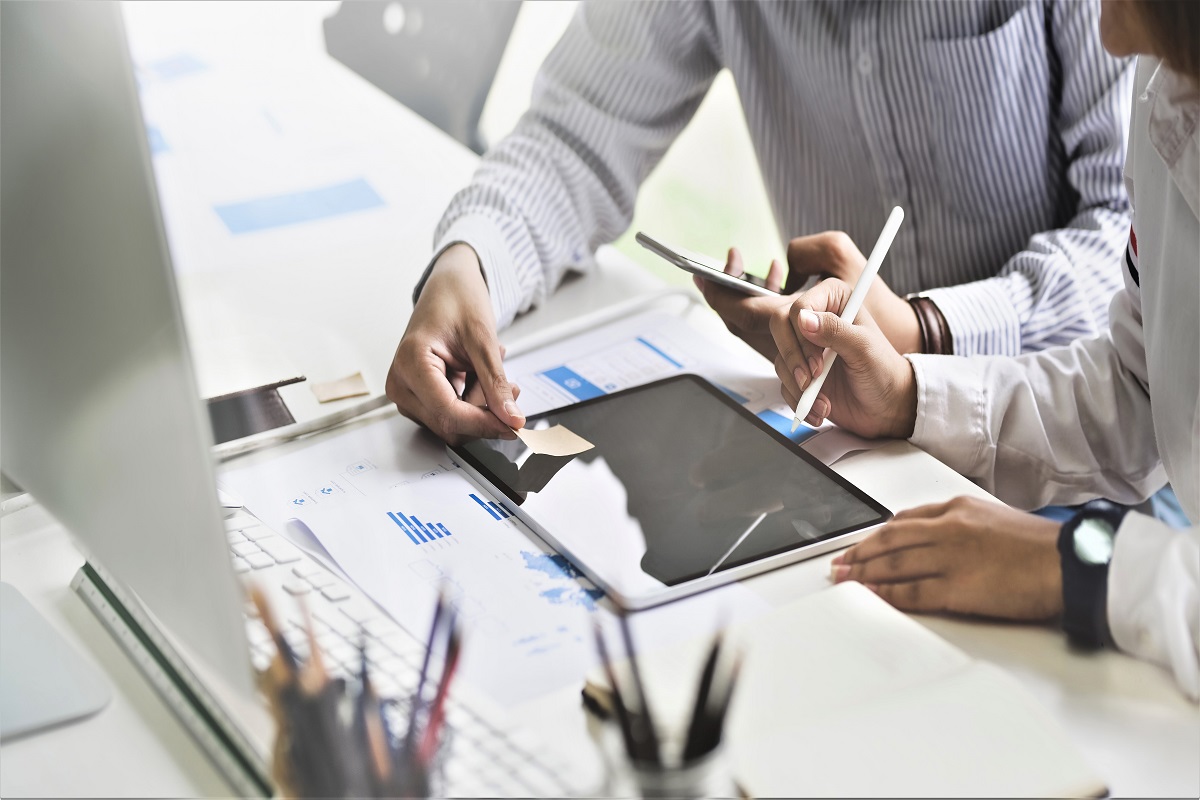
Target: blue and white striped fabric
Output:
{"points": [[999, 126]]}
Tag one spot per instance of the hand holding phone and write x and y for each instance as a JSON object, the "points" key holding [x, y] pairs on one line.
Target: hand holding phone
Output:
{"points": [[707, 268]]}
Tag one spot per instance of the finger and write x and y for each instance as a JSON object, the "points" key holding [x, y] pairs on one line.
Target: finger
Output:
{"points": [[484, 351], [831, 252], [775, 276], [741, 313], [925, 595], [930, 511], [790, 345], [455, 420], [431, 400], [790, 399], [733, 263], [855, 343], [474, 394], [829, 295], [462, 422], [908, 564], [896, 535], [820, 411], [790, 382]]}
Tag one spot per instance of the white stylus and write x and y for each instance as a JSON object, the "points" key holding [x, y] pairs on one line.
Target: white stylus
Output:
{"points": [[804, 407]]}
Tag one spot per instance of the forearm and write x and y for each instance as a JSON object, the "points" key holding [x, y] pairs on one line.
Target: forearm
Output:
{"points": [[621, 84], [1062, 426], [1055, 291]]}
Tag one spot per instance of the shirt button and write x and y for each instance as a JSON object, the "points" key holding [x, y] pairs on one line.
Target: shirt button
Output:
{"points": [[864, 63]]}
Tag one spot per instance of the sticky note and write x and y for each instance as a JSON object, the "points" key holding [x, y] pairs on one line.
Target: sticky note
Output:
{"points": [[350, 386], [554, 441]]}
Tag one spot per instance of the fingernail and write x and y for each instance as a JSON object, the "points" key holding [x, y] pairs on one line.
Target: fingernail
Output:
{"points": [[801, 378], [839, 558], [821, 407], [839, 572], [511, 409], [809, 321], [814, 365]]}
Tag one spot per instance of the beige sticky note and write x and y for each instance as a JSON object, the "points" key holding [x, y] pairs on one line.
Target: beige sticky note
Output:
{"points": [[350, 386], [554, 441]]}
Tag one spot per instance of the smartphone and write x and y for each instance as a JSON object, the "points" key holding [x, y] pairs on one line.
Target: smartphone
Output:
{"points": [[707, 268]]}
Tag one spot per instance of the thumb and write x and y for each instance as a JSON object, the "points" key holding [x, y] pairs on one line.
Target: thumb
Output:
{"points": [[852, 342]]}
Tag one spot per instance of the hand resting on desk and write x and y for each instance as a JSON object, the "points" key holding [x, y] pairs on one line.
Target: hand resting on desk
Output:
{"points": [[967, 556], [448, 371]]}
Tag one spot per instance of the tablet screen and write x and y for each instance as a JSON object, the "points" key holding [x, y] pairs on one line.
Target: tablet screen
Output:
{"points": [[682, 482]]}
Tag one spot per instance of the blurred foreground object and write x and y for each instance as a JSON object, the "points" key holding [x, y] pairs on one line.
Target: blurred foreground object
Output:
{"points": [[336, 738]]}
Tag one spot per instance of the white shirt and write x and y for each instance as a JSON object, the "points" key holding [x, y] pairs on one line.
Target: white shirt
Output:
{"points": [[1116, 415], [998, 126]]}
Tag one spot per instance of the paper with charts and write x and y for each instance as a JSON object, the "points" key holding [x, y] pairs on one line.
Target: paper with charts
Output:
{"points": [[526, 612]]}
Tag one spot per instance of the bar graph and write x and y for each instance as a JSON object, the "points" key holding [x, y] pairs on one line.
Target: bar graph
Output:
{"points": [[495, 510], [417, 531]]}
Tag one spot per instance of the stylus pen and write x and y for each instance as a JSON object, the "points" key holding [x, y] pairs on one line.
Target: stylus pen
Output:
{"points": [[804, 407]]}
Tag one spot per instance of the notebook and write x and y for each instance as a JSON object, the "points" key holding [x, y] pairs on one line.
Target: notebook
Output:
{"points": [[842, 695]]}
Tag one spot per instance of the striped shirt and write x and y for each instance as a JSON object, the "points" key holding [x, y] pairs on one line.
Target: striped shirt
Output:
{"points": [[999, 126]]}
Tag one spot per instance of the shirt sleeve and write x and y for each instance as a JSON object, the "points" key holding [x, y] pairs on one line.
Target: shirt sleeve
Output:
{"points": [[1058, 288], [1061, 426], [1154, 599], [621, 84]]}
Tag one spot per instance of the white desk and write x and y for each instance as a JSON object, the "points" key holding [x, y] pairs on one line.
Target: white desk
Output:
{"points": [[335, 301]]}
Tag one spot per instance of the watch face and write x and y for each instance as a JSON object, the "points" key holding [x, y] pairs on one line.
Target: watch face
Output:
{"points": [[1094, 541]]}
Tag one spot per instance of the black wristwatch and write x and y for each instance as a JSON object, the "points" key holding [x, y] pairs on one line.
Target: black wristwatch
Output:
{"points": [[1085, 548]]}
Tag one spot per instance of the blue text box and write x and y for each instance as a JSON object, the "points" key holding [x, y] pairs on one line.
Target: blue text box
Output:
{"points": [[297, 207]]}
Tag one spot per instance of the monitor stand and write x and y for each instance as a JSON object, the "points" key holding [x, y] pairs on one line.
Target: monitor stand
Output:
{"points": [[44, 681]]}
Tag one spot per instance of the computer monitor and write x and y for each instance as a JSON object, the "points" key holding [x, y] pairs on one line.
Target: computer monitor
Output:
{"points": [[100, 417]]}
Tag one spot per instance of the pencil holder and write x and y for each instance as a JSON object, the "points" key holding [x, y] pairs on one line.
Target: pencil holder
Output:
{"points": [[706, 776]]}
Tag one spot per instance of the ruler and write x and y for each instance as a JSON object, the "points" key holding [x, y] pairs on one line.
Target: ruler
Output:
{"points": [[213, 729]]}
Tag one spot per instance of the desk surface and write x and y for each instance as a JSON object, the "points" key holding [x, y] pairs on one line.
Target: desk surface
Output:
{"points": [[332, 299]]}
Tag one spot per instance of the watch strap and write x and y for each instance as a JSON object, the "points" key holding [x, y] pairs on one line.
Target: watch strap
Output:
{"points": [[936, 338], [1085, 586]]}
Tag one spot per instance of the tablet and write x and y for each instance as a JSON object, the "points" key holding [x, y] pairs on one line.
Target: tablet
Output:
{"points": [[683, 490]]}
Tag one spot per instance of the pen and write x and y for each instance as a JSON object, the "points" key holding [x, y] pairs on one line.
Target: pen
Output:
{"points": [[631, 747], [695, 743], [642, 727], [419, 695], [878, 253]]}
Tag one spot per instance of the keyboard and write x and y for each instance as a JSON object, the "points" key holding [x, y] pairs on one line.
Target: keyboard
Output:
{"points": [[480, 757]]}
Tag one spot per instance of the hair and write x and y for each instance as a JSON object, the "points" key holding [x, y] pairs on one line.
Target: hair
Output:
{"points": [[1175, 26]]}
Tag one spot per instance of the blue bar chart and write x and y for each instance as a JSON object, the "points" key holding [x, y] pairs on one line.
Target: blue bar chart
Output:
{"points": [[495, 510], [416, 530]]}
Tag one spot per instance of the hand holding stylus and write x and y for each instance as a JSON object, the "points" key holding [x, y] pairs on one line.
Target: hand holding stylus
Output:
{"points": [[804, 405]]}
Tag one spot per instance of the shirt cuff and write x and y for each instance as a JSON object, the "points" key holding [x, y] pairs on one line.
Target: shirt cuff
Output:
{"points": [[983, 315], [499, 270], [951, 411], [1153, 608]]}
